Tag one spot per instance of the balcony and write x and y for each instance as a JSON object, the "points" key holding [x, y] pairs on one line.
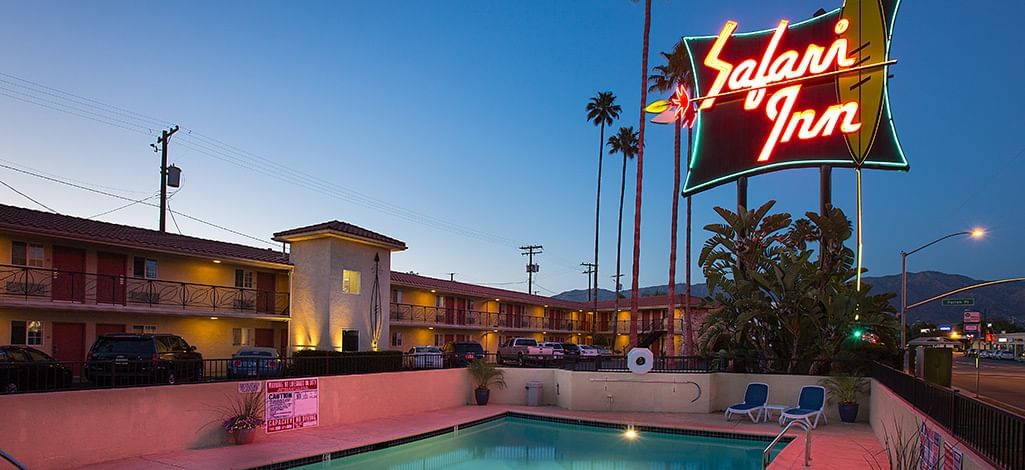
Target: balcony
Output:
{"points": [[38, 286], [420, 315]]}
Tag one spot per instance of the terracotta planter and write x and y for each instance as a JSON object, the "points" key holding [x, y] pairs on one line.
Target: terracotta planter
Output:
{"points": [[482, 395], [848, 412], [243, 436]]}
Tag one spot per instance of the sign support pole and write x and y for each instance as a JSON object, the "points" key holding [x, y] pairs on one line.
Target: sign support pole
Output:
{"points": [[741, 193]]}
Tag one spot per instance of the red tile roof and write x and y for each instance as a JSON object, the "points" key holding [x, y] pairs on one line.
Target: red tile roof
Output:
{"points": [[28, 221], [473, 290], [345, 228]]}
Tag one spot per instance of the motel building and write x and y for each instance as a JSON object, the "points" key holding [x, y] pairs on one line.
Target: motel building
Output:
{"points": [[65, 280]]}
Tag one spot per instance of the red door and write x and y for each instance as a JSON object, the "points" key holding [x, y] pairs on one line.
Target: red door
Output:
{"points": [[69, 345], [460, 311], [68, 274], [110, 278], [264, 338], [450, 310], [108, 328], [265, 294]]}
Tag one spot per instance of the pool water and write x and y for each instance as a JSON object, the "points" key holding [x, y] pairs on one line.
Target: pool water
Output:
{"points": [[523, 443]]}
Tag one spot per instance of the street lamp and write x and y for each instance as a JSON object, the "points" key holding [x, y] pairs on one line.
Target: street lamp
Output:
{"points": [[975, 233]]}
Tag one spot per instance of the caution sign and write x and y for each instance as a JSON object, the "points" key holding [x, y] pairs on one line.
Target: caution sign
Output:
{"points": [[292, 404]]}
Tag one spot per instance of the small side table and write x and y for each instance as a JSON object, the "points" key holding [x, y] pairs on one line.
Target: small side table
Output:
{"points": [[768, 409]]}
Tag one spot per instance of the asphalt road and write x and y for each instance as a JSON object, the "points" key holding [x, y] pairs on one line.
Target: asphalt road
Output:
{"points": [[1000, 381]]}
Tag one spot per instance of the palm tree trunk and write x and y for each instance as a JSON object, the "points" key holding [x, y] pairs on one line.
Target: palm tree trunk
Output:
{"points": [[619, 254], [597, 213], [640, 177], [671, 289], [688, 345]]}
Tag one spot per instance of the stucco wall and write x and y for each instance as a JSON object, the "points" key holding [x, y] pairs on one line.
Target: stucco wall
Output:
{"points": [[783, 390], [71, 429], [890, 413]]}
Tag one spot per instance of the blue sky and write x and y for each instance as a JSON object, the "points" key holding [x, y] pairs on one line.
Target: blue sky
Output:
{"points": [[472, 114]]}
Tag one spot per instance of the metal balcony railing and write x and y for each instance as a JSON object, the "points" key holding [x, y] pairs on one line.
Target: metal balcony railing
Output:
{"points": [[52, 285], [476, 318]]}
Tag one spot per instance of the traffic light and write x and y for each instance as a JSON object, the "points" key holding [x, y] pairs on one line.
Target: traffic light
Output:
{"points": [[857, 333]]}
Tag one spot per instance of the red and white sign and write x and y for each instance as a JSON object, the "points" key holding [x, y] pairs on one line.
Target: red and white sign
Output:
{"points": [[972, 317], [292, 404], [971, 327]]}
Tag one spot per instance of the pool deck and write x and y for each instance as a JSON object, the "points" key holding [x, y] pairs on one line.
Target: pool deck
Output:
{"points": [[834, 446]]}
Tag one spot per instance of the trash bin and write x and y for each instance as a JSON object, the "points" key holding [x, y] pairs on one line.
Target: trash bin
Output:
{"points": [[534, 393]]}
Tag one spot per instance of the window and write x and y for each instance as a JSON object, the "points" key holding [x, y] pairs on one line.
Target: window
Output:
{"points": [[350, 282], [439, 301], [350, 340], [18, 331], [35, 333], [144, 329], [396, 338], [241, 337], [26, 254], [145, 268], [396, 296], [243, 279]]}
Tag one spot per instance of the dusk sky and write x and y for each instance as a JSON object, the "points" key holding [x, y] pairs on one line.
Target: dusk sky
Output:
{"points": [[459, 127]]}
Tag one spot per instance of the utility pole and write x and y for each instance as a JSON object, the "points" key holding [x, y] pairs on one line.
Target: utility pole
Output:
{"points": [[589, 271], [451, 276], [529, 251], [165, 136]]}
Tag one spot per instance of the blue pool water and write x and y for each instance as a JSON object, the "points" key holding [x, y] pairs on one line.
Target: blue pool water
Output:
{"points": [[523, 443]]}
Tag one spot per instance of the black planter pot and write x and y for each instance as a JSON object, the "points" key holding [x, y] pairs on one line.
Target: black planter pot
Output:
{"points": [[482, 395], [848, 412]]}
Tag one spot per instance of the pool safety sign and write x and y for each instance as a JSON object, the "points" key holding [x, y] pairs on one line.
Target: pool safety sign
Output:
{"points": [[292, 404]]}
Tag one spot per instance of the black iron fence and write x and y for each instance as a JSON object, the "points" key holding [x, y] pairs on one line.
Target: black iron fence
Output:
{"points": [[51, 285], [994, 433]]}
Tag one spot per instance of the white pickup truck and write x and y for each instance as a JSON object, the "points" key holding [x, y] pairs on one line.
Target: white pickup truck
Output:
{"points": [[524, 350]]}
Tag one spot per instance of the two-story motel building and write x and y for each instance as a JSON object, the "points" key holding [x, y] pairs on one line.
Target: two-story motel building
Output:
{"points": [[66, 280]]}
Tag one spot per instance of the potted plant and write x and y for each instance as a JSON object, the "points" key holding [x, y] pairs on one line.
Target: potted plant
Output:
{"points": [[243, 417], [484, 375], [845, 389]]}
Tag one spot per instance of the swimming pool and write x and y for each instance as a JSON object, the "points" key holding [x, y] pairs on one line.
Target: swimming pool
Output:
{"points": [[523, 441]]}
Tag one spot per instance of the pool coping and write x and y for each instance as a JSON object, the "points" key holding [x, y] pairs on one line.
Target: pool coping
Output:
{"points": [[343, 453]]}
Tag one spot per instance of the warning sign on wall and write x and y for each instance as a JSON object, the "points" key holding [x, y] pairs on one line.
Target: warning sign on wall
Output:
{"points": [[292, 404]]}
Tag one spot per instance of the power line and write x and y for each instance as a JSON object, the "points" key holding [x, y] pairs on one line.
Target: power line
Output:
{"points": [[130, 204], [30, 198]]}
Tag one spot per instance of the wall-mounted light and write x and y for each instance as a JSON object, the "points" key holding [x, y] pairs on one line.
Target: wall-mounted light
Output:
{"points": [[217, 261], [433, 291], [213, 318], [430, 327]]}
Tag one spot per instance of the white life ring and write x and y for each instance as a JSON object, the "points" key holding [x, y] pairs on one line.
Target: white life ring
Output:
{"points": [[640, 360]]}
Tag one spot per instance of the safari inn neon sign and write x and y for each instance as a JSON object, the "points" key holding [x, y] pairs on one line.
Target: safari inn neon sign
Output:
{"points": [[804, 94]]}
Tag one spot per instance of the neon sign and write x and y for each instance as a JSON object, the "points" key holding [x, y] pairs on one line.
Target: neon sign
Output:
{"points": [[804, 94]]}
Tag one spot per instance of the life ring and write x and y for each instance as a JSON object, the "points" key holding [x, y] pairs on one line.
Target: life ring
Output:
{"points": [[640, 360]]}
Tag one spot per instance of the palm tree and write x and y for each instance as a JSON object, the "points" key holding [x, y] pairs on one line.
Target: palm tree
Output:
{"points": [[602, 110], [625, 143], [634, 287], [667, 77]]}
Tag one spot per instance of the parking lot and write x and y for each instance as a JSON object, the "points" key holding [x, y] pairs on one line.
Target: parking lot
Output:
{"points": [[1001, 382]]}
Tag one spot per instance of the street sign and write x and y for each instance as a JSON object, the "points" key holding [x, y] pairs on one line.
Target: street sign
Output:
{"points": [[958, 302], [972, 317], [971, 327]]}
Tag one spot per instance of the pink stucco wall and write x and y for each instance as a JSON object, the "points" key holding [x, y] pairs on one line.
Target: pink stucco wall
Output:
{"points": [[70, 429]]}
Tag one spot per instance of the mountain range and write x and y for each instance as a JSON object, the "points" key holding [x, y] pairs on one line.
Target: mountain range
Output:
{"points": [[1000, 301]]}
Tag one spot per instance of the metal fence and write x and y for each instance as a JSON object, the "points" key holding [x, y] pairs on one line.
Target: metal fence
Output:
{"points": [[994, 433]]}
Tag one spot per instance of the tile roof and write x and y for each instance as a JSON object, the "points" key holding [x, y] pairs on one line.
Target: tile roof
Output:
{"points": [[473, 290], [47, 224], [345, 228]]}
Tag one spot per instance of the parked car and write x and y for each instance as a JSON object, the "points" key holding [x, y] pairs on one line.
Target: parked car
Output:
{"points": [[586, 350], [985, 354], [424, 357], [461, 353], [254, 361], [523, 350], [135, 359], [23, 368], [971, 352], [1006, 355], [570, 349], [557, 351], [604, 351]]}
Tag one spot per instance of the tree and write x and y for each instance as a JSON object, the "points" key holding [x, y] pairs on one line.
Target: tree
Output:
{"points": [[774, 301], [667, 77], [634, 286], [624, 143], [602, 110]]}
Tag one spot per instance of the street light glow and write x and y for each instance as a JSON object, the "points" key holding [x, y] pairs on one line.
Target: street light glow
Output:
{"points": [[977, 232]]}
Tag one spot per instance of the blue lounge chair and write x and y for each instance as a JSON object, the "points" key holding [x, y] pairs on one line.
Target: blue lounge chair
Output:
{"points": [[754, 402], [810, 402]]}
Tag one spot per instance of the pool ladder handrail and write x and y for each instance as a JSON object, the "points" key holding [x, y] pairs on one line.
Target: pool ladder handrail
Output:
{"points": [[12, 460], [807, 442]]}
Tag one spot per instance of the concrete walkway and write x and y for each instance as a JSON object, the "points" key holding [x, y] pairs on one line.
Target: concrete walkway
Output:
{"points": [[834, 446]]}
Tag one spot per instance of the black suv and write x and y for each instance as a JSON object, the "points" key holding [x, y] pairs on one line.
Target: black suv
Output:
{"points": [[461, 353], [570, 349], [136, 359], [23, 368]]}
